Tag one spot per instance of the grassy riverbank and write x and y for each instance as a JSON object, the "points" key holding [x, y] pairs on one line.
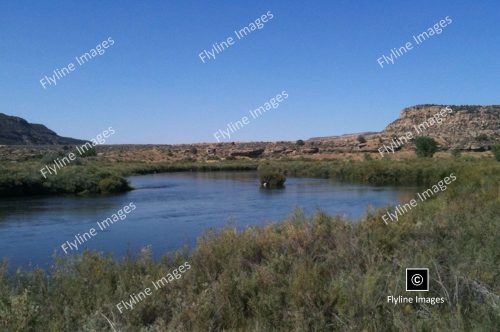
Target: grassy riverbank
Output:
{"points": [[94, 177], [306, 273], [98, 177]]}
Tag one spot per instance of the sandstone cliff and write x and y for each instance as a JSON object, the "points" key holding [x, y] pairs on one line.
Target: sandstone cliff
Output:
{"points": [[473, 128], [467, 128]]}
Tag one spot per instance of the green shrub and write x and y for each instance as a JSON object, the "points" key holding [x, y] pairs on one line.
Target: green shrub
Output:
{"points": [[49, 157], [361, 139], [482, 138], [300, 142], [89, 153], [425, 146], [113, 184], [271, 176], [495, 148], [456, 153]]}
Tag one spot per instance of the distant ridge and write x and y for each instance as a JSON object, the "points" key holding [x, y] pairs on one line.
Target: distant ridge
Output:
{"points": [[17, 131]]}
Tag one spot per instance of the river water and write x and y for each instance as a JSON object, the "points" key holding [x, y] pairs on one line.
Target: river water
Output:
{"points": [[172, 210]]}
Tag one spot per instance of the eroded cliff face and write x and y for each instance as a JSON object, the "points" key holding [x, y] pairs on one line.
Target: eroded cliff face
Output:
{"points": [[473, 128], [468, 128], [465, 127]]}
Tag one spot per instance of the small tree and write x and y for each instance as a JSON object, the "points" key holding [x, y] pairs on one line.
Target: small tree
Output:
{"points": [[361, 139], [426, 146], [300, 142], [495, 148]]}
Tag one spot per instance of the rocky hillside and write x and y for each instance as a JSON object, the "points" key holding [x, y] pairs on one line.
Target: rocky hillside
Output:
{"points": [[17, 131], [472, 128], [466, 128]]}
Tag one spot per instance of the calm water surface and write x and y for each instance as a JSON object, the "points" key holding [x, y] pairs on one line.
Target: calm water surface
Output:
{"points": [[172, 210]]}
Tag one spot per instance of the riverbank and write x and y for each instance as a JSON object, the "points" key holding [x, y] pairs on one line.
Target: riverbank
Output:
{"points": [[93, 176], [307, 273]]}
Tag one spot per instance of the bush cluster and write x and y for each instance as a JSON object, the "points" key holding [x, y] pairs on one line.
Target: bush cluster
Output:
{"points": [[425, 146], [23, 180], [271, 176]]}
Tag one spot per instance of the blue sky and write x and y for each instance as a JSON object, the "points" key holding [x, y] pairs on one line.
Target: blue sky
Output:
{"points": [[152, 87]]}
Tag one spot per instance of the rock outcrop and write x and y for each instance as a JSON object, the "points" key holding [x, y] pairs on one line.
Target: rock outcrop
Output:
{"points": [[468, 128], [473, 128], [17, 131], [465, 127]]}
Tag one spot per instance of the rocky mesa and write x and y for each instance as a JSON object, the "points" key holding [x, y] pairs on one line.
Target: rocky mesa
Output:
{"points": [[466, 128]]}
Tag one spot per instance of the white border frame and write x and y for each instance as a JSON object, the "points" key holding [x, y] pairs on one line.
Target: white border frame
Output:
{"points": [[416, 268]]}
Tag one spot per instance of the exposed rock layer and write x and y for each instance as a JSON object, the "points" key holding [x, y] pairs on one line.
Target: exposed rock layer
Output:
{"points": [[470, 128]]}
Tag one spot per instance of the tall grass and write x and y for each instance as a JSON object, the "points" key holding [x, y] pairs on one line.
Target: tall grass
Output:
{"points": [[307, 273], [93, 176]]}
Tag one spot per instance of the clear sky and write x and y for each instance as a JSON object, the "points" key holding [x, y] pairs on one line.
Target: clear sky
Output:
{"points": [[152, 87]]}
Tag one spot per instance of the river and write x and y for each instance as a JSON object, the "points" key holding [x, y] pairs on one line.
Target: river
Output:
{"points": [[172, 210]]}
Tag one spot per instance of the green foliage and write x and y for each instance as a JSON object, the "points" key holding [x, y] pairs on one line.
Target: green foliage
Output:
{"points": [[426, 146], [271, 176], [20, 179], [113, 184], [456, 153], [361, 139], [482, 138], [26, 179], [307, 273], [417, 171], [300, 142], [49, 158], [88, 153], [495, 148], [84, 176]]}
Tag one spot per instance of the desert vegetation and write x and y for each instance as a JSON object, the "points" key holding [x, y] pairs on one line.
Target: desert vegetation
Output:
{"points": [[93, 176], [425, 146], [314, 272], [271, 176], [90, 176], [496, 151]]}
